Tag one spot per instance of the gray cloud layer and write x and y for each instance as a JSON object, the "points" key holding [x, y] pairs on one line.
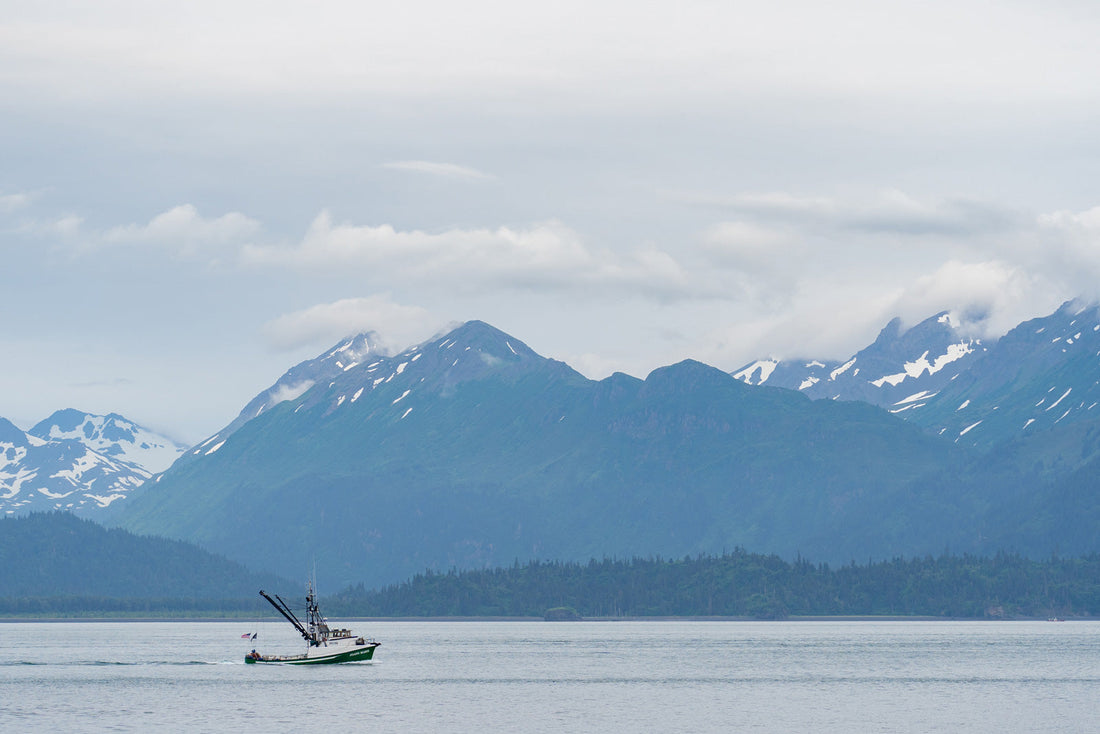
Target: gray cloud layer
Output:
{"points": [[622, 185]]}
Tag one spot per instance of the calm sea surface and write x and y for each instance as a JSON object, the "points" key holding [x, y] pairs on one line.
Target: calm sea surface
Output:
{"points": [[666, 676]]}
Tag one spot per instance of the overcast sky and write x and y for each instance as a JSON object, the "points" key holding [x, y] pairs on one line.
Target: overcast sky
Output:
{"points": [[196, 196]]}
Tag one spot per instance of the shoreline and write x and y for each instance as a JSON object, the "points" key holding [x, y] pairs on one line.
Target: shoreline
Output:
{"points": [[805, 618]]}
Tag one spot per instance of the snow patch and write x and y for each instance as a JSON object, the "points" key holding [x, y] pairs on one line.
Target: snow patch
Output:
{"points": [[1052, 405], [964, 404], [215, 447], [921, 365], [915, 397], [104, 501], [842, 369], [809, 382], [54, 495], [969, 428], [766, 368], [403, 395]]}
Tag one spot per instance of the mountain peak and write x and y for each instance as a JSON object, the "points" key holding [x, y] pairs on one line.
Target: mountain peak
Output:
{"points": [[899, 364], [11, 434], [346, 354], [63, 470], [478, 334], [111, 435], [890, 333]]}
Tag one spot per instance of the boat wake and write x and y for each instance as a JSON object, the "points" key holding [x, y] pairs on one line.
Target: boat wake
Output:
{"points": [[114, 663]]}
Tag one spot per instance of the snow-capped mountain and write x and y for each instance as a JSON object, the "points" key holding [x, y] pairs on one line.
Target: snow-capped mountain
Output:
{"points": [[77, 461], [345, 356], [357, 366], [471, 448], [62, 474], [1044, 375], [113, 436], [899, 369]]}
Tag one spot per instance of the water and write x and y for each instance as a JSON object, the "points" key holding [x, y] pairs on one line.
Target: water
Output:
{"points": [[661, 676]]}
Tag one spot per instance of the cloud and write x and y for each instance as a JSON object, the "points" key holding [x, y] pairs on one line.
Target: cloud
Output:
{"points": [[14, 202], [899, 213], [987, 298], [182, 228], [750, 246], [547, 256], [441, 170], [817, 276], [889, 212], [328, 322], [67, 227], [283, 393], [1069, 243], [973, 52]]}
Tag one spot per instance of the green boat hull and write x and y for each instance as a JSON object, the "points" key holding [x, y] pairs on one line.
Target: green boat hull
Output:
{"points": [[355, 655]]}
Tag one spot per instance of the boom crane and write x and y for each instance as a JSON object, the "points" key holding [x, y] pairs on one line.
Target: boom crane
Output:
{"points": [[283, 609]]}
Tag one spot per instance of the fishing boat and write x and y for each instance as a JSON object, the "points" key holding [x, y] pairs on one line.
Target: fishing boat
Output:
{"points": [[323, 644]]}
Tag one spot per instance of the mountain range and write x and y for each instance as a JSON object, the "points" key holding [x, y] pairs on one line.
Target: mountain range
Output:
{"points": [[899, 364], [1042, 377], [471, 450], [77, 461]]}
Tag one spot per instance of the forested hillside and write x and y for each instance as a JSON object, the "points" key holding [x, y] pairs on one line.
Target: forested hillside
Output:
{"points": [[58, 563], [748, 585]]}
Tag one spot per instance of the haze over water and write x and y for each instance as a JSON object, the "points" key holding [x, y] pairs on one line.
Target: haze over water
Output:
{"points": [[864, 676]]}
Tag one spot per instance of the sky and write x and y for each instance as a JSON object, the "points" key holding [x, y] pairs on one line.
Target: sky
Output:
{"points": [[196, 196]]}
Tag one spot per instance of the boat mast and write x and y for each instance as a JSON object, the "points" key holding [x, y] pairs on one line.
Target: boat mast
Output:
{"points": [[318, 627]]}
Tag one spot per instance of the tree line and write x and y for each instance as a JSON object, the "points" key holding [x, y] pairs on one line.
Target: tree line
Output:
{"points": [[742, 584], [81, 606]]}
